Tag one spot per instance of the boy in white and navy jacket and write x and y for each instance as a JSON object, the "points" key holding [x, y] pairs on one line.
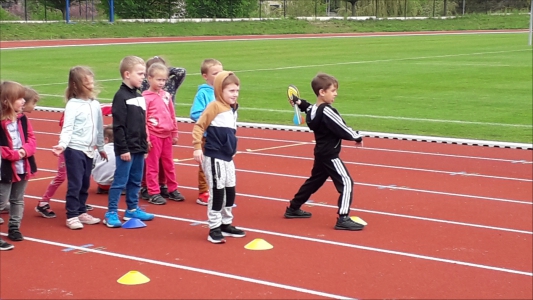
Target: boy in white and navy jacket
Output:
{"points": [[219, 120]]}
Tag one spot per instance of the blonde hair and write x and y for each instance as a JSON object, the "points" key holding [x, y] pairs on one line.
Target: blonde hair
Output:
{"points": [[323, 81], [208, 63], [128, 63], [155, 68], [10, 91], [155, 59], [30, 95], [76, 84]]}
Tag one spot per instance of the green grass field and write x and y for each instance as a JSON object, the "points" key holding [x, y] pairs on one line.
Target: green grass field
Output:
{"points": [[467, 86]]}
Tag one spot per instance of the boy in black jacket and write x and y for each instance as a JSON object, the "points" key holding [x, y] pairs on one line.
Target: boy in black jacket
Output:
{"points": [[130, 142], [329, 129]]}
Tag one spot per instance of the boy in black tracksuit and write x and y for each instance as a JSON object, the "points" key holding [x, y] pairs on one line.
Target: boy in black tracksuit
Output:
{"points": [[329, 129]]}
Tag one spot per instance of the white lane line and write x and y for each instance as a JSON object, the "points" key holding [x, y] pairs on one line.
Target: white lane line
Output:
{"points": [[329, 242], [187, 268], [363, 210]]}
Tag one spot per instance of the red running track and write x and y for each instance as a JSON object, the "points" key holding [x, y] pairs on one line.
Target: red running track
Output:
{"points": [[434, 234]]}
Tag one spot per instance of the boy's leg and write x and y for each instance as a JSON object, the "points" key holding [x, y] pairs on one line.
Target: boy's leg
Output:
{"points": [[227, 213], [16, 208], [311, 185], [134, 180], [120, 179], [344, 184], [216, 199], [75, 174]]}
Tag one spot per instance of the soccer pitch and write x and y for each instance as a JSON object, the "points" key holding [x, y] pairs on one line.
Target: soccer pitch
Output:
{"points": [[475, 86]]}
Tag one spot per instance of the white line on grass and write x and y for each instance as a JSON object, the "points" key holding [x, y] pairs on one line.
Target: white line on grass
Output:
{"points": [[187, 268], [329, 242]]}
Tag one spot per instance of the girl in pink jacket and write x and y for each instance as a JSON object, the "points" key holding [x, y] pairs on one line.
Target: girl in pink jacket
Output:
{"points": [[17, 145], [162, 131]]}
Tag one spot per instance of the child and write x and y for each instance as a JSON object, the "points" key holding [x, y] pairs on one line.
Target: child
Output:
{"points": [[329, 129], [17, 145], [104, 169], [176, 76], [205, 94], [163, 133], [43, 207], [31, 97], [130, 142], [220, 147], [81, 132]]}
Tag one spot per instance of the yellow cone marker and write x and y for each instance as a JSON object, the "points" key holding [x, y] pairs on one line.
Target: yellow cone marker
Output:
{"points": [[359, 220], [132, 278], [258, 244]]}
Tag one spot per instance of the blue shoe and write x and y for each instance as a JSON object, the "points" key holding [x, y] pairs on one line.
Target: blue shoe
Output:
{"points": [[111, 219], [138, 213]]}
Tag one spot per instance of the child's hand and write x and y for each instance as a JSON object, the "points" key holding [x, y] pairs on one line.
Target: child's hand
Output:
{"points": [[103, 155], [174, 141], [149, 146], [22, 153], [125, 157], [57, 150], [359, 144], [198, 156]]}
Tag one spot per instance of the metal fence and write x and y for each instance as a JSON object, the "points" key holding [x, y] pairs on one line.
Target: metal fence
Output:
{"points": [[96, 10]]}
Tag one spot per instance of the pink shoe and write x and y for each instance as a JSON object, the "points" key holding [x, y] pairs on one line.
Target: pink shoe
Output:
{"points": [[86, 218], [203, 198]]}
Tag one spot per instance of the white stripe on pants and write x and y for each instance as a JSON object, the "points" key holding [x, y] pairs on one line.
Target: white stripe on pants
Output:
{"points": [[220, 175]]}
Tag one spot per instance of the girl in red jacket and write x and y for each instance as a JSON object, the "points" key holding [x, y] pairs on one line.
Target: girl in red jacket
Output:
{"points": [[17, 145]]}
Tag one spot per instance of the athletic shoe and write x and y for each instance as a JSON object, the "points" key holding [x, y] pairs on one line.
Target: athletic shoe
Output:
{"points": [[86, 218], [203, 198], [15, 235], [88, 207], [144, 193], [45, 211], [4, 246], [176, 196], [99, 190], [291, 213], [6, 209], [346, 223], [74, 223], [215, 236], [138, 213], [111, 219], [163, 191], [157, 199], [229, 230], [1, 221]]}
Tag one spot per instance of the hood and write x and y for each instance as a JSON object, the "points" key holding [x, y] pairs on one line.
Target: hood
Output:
{"points": [[204, 86], [218, 87]]}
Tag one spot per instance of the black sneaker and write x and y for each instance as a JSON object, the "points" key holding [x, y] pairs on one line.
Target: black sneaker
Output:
{"points": [[346, 223], [175, 195], [4, 246], [291, 213], [157, 199], [88, 207], [144, 193], [163, 191], [45, 211], [229, 230], [215, 236], [15, 235]]}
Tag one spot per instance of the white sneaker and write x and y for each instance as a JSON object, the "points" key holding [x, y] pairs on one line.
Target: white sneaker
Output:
{"points": [[86, 218], [74, 223]]}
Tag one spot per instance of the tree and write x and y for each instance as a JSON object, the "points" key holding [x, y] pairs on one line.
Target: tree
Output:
{"points": [[57, 4], [143, 9], [220, 8], [353, 2]]}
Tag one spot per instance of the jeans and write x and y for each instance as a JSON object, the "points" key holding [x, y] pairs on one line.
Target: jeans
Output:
{"points": [[128, 175], [79, 167], [14, 193]]}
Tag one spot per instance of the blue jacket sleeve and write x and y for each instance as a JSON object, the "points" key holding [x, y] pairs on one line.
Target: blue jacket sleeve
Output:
{"points": [[198, 105]]}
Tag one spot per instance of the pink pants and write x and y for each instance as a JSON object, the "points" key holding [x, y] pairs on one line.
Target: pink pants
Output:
{"points": [[161, 152], [57, 181]]}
